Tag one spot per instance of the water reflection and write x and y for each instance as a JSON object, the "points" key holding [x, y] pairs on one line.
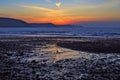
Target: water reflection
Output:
{"points": [[55, 53]]}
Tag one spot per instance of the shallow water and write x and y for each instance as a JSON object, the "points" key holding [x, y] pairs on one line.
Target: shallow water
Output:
{"points": [[55, 53]]}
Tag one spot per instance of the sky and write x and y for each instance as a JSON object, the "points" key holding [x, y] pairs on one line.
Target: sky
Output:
{"points": [[61, 11]]}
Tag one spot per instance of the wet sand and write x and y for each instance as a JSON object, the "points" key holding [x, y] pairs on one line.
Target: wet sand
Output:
{"points": [[58, 58]]}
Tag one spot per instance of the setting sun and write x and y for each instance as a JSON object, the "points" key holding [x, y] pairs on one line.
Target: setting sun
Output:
{"points": [[59, 21]]}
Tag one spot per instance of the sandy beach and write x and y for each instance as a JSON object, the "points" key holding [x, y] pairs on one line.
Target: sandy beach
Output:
{"points": [[59, 58]]}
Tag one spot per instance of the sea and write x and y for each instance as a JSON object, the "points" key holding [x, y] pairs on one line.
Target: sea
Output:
{"points": [[113, 32]]}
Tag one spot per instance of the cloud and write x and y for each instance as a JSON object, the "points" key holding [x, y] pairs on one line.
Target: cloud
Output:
{"points": [[46, 11], [37, 8], [58, 4]]}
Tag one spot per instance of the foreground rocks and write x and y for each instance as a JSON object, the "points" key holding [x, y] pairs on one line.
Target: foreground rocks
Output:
{"points": [[21, 63], [106, 68]]}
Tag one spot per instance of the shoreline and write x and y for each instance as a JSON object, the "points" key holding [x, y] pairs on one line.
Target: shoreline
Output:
{"points": [[55, 36], [89, 44]]}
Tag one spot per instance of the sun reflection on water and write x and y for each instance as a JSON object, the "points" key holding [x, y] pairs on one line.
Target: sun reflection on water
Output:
{"points": [[59, 53]]}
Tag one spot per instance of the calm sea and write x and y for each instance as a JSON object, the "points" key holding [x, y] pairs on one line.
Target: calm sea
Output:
{"points": [[64, 31]]}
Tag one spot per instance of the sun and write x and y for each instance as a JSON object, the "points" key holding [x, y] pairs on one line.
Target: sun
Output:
{"points": [[59, 21]]}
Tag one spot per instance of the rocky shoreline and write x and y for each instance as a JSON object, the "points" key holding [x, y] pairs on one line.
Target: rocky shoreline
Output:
{"points": [[38, 58]]}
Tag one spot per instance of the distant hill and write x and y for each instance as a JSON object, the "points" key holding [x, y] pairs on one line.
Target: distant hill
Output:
{"points": [[42, 25], [68, 25], [10, 22], [52, 25], [101, 24]]}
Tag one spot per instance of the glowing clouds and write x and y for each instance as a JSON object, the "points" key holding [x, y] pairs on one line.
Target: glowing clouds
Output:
{"points": [[58, 4]]}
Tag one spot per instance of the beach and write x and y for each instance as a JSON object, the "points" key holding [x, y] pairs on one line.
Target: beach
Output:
{"points": [[59, 58]]}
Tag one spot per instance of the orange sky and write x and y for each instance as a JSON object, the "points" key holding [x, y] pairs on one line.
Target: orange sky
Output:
{"points": [[61, 12]]}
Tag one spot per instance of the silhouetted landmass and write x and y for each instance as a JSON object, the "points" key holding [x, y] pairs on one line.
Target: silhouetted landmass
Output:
{"points": [[42, 25], [101, 24], [10, 22], [68, 25], [52, 25]]}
